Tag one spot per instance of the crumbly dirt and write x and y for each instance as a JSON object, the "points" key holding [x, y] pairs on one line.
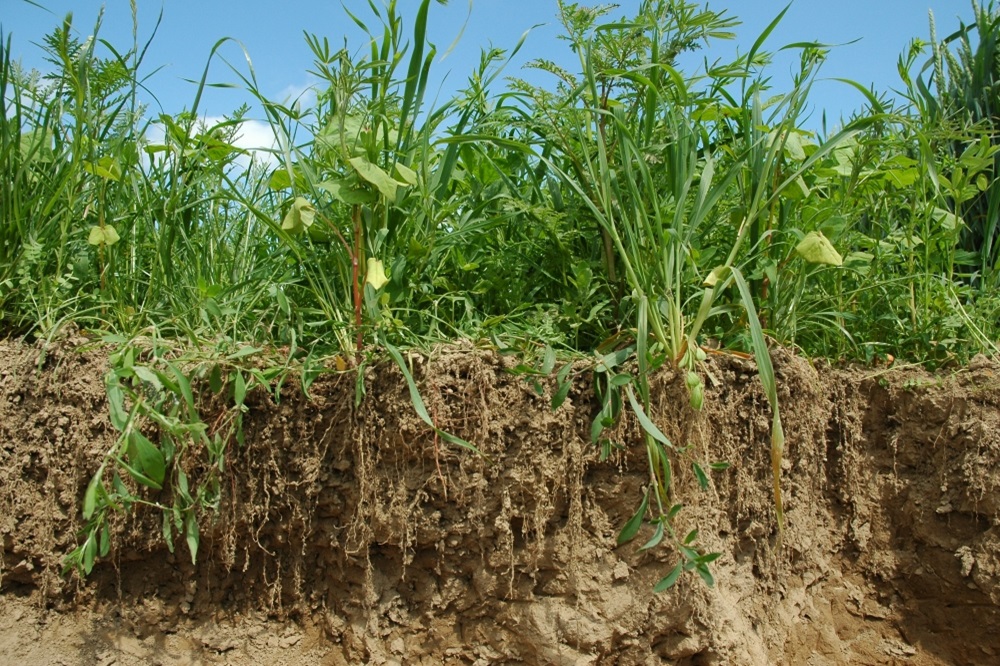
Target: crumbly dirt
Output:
{"points": [[351, 534]]}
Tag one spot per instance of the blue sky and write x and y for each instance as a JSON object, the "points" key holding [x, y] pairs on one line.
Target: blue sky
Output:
{"points": [[273, 38]]}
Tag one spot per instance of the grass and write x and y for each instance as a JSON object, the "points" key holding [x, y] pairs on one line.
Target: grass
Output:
{"points": [[628, 208]]}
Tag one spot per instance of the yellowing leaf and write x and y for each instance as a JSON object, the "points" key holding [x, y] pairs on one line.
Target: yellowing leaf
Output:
{"points": [[817, 249], [793, 147], [105, 235], [376, 274], [300, 216], [713, 277]]}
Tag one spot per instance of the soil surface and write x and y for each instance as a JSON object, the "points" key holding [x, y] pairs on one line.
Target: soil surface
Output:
{"points": [[351, 534]]}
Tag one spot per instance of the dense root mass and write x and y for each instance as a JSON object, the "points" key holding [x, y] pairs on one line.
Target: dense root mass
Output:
{"points": [[353, 535]]}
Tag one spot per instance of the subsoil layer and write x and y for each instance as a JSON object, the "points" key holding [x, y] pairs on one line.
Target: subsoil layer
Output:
{"points": [[352, 534]]}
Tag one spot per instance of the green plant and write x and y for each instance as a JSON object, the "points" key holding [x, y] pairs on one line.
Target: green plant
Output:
{"points": [[164, 444]]}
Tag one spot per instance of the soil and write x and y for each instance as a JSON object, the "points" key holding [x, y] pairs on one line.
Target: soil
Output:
{"points": [[351, 534]]}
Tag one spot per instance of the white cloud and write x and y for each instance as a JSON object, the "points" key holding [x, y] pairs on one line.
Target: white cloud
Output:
{"points": [[301, 95]]}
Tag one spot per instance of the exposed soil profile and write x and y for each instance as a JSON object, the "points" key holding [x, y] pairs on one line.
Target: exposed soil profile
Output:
{"points": [[341, 542]]}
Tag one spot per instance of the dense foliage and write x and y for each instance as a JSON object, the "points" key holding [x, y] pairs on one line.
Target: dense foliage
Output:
{"points": [[628, 208]]}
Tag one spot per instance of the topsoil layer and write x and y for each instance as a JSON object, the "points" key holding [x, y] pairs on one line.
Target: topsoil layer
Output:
{"points": [[353, 535]]}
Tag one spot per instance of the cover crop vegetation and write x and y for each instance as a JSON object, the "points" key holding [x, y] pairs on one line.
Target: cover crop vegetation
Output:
{"points": [[626, 212]]}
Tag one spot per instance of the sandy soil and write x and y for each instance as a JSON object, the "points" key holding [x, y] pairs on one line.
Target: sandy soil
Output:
{"points": [[340, 542]]}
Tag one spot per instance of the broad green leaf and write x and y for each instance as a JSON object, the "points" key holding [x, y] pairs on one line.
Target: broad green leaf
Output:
{"points": [[700, 475], [374, 174], [902, 178], [946, 219], [149, 376], [794, 147], [280, 179], [245, 350], [635, 522], [183, 492], [149, 458], [797, 190], [105, 235], [185, 390], [239, 388], [105, 167], [348, 191], [705, 574], [105, 541], [564, 385], [708, 558], [548, 360], [333, 139], [668, 581], [817, 249], [89, 553], [621, 379], [90, 496], [139, 477], [37, 144], [406, 174], [655, 539], [559, 397], [116, 404], [613, 359], [168, 532]]}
